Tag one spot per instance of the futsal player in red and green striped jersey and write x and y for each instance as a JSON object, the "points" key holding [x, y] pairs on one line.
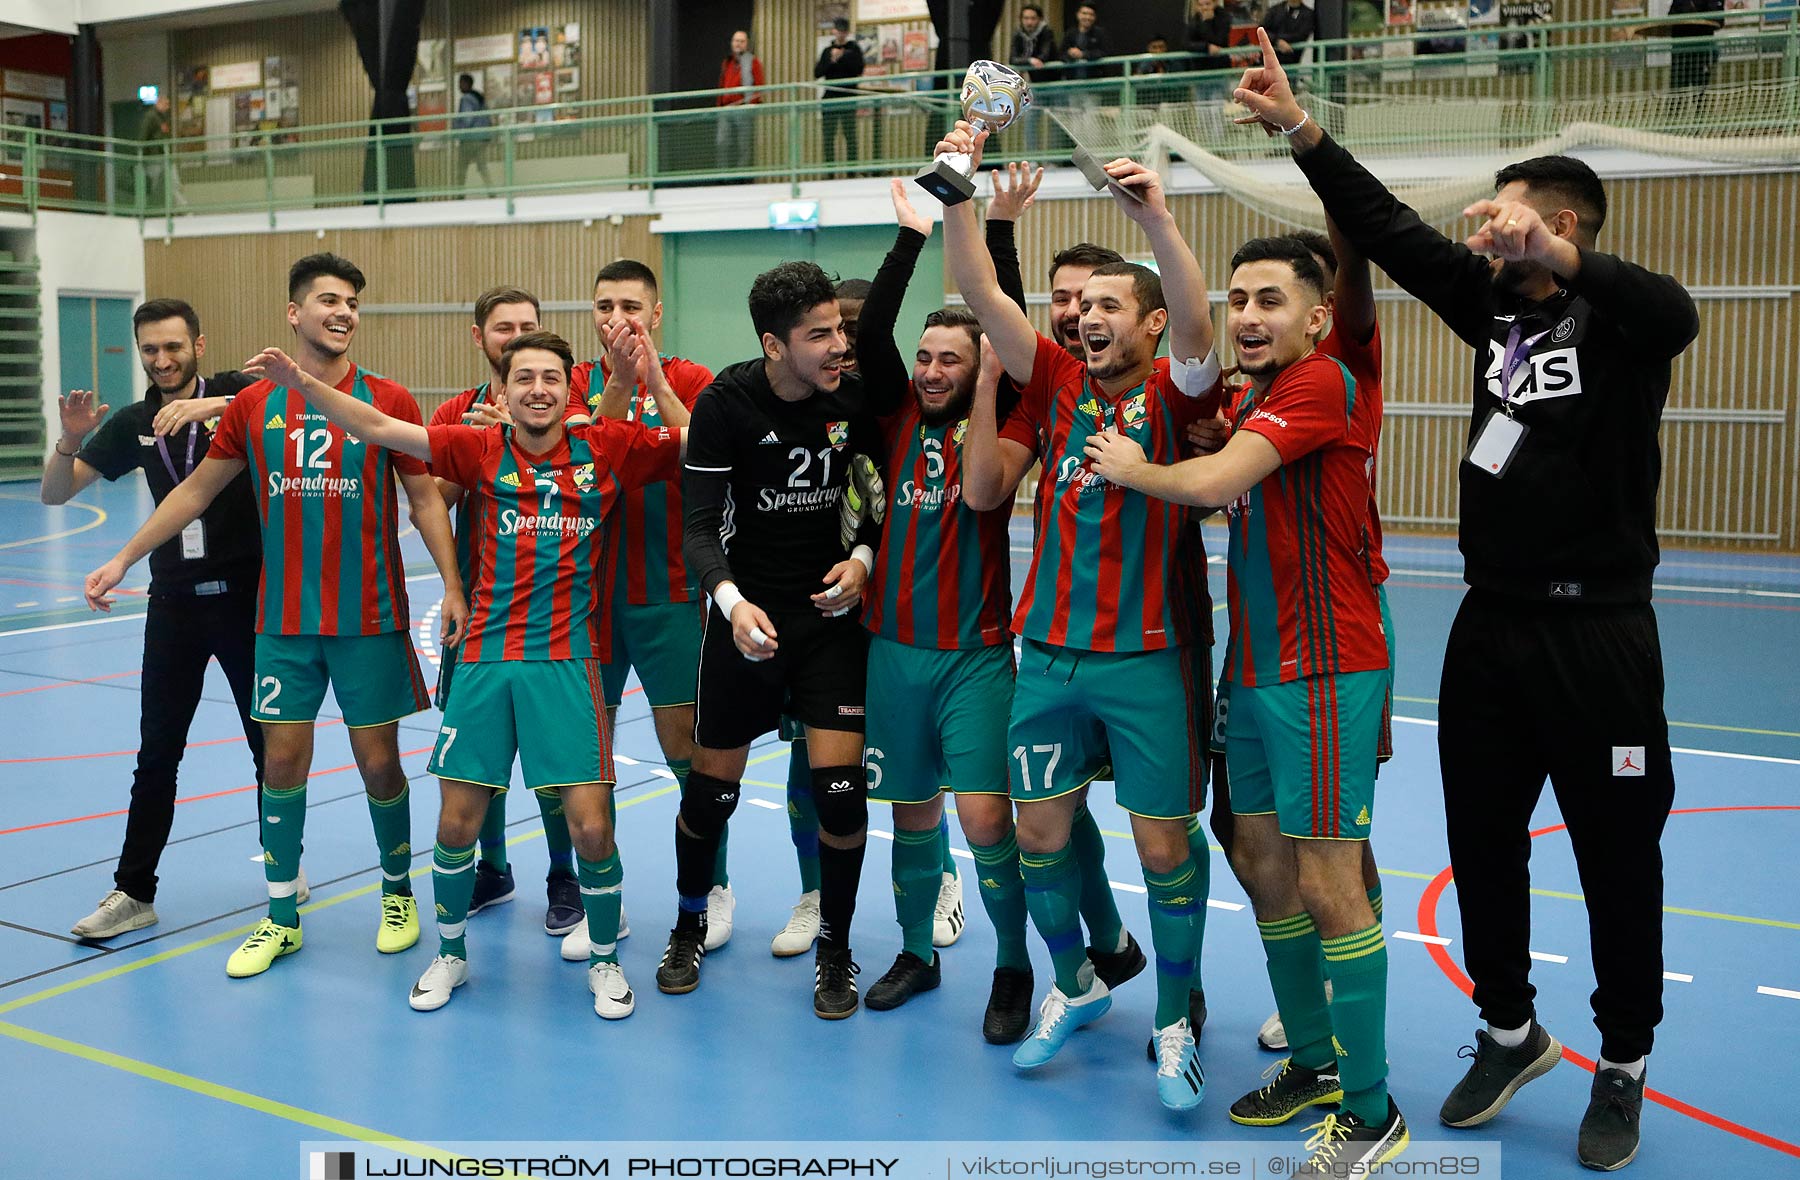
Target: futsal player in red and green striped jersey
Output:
{"points": [[501, 314], [656, 607], [1113, 614], [1309, 673], [333, 604], [542, 493]]}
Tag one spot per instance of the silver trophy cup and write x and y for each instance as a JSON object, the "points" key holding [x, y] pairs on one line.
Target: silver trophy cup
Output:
{"points": [[993, 95]]}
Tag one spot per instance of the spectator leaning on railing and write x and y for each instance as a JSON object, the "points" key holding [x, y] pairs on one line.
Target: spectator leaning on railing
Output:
{"points": [[1084, 43], [841, 59], [1290, 26]]}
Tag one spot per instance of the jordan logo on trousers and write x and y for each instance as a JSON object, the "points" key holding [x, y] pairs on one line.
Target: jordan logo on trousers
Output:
{"points": [[1628, 761]]}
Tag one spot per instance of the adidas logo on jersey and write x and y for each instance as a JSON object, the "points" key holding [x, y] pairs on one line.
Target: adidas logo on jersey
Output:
{"points": [[510, 479], [275, 423], [771, 439], [1338, 1046], [1362, 818]]}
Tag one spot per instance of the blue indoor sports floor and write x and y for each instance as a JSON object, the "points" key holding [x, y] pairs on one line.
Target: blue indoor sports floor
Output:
{"points": [[143, 1059]]}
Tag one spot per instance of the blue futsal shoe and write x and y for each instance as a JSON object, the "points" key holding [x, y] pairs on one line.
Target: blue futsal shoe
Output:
{"points": [[1059, 1016]]}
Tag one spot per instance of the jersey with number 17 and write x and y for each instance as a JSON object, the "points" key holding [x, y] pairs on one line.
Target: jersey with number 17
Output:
{"points": [[329, 509]]}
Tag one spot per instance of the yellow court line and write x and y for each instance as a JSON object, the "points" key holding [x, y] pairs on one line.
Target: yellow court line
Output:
{"points": [[336, 1128], [1786, 733], [99, 519]]}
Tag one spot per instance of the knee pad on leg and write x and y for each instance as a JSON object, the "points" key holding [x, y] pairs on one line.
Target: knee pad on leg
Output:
{"points": [[841, 797], [707, 804]]}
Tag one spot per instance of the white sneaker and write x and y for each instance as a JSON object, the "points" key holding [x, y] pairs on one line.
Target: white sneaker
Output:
{"points": [[797, 937], [947, 921], [1273, 1034], [612, 995], [721, 903], [575, 944], [118, 913], [445, 975], [304, 891], [624, 922]]}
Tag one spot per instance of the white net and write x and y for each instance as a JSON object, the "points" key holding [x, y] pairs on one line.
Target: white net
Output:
{"points": [[1756, 124]]}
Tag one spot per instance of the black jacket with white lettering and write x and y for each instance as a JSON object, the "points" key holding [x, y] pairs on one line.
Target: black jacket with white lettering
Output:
{"points": [[1574, 516]]}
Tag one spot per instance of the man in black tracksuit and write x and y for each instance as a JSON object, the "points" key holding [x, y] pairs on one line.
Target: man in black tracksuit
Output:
{"points": [[1553, 666]]}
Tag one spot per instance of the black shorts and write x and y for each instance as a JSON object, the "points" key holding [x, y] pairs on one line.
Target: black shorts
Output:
{"points": [[816, 676]]}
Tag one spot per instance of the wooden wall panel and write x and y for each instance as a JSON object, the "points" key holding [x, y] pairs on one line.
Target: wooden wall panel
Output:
{"points": [[422, 283]]}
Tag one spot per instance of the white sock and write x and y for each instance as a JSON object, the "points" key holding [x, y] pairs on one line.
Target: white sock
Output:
{"points": [[1634, 1068], [1509, 1038]]}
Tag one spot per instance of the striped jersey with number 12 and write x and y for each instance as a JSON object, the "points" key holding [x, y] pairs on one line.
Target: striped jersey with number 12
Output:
{"points": [[331, 537]]}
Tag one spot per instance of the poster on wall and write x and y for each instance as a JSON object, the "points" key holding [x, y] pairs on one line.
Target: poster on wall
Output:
{"points": [[59, 116], [915, 51], [890, 37], [433, 106], [568, 85], [565, 54], [26, 84], [476, 50], [1522, 14], [870, 10], [433, 62], [534, 48], [290, 106], [237, 75], [1399, 13], [496, 84], [22, 112]]}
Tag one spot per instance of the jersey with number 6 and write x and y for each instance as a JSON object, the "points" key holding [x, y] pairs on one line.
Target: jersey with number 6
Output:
{"points": [[330, 525]]}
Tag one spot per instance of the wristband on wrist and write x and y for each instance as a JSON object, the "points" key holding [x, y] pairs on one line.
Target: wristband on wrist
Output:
{"points": [[57, 447], [1305, 118], [865, 555], [726, 597]]}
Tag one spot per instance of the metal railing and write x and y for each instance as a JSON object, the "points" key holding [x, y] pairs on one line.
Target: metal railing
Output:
{"points": [[1492, 83]]}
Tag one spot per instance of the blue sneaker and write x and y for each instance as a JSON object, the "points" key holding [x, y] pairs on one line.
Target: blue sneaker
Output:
{"points": [[1059, 1016], [492, 887], [1180, 1082]]}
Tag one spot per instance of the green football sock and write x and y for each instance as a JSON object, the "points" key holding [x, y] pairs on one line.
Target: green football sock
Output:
{"points": [[1003, 896], [1099, 909], [493, 833], [679, 767], [1357, 965], [803, 818], [948, 862], [283, 832], [1053, 898], [1201, 853], [556, 828], [452, 885], [916, 878], [1297, 976], [602, 894], [1173, 899], [393, 837]]}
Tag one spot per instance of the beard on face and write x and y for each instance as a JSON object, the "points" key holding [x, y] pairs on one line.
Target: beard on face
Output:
{"points": [[956, 409]]}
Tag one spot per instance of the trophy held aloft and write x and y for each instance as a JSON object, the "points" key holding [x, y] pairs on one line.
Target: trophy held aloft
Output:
{"points": [[993, 95]]}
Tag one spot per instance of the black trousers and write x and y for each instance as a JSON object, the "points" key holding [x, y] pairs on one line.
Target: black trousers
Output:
{"points": [[181, 633], [1575, 694], [839, 116]]}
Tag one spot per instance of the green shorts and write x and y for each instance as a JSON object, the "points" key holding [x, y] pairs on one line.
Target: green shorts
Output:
{"points": [[375, 678], [1305, 752], [662, 641], [1146, 712], [549, 713], [936, 719]]}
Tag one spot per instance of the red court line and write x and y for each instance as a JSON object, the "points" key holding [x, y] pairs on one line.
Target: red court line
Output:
{"points": [[80, 819], [1428, 907], [19, 692], [122, 753]]}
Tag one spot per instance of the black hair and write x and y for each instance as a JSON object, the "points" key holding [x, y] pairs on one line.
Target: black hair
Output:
{"points": [[957, 317], [316, 266], [1288, 249], [495, 296], [1024, 8], [1146, 284], [1566, 179], [1083, 254], [466, 80], [857, 289], [1319, 245], [627, 270], [781, 296], [548, 341], [155, 311]]}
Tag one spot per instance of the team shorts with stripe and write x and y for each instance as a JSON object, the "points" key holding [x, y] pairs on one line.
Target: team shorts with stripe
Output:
{"points": [[1305, 752], [662, 641], [1147, 713], [550, 714], [818, 675], [937, 719], [375, 678]]}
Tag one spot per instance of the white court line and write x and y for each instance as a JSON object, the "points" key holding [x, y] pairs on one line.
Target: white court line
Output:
{"points": [[1782, 992], [1544, 957], [962, 852], [69, 598], [1127, 887], [33, 602], [1216, 904], [626, 760], [1698, 753], [1678, 977], [882, 834], [755, 802], [665, 772], [1414, 936]]}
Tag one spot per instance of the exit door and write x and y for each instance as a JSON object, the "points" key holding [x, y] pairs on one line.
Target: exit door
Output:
{"points": [[96, 347]]}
